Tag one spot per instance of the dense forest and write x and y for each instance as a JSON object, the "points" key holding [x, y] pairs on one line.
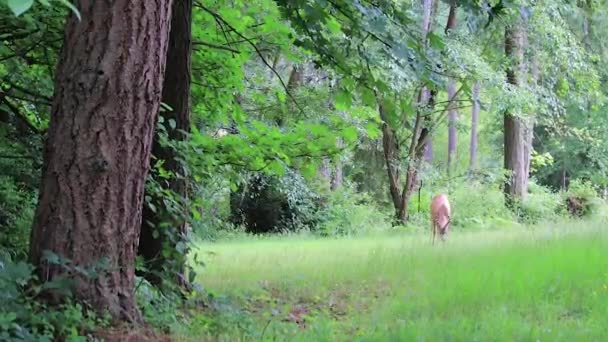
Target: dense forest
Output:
{"points": [[264, 170]]}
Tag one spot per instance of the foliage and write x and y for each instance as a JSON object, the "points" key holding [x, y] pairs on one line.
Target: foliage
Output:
{"points": [[347, 212], [25, 318]]}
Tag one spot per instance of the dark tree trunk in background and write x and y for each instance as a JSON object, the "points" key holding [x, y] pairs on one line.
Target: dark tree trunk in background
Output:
{"points": [[108, 87], [429, 10], [474, 126], [176, 94], [514, 127], [452, 112]]}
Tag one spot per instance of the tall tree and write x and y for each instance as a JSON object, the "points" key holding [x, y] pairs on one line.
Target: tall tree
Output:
{"points": [[452, 112], [515, 187], [161, 229], [108, 87]]}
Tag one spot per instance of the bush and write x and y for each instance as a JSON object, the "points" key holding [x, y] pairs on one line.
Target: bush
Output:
{"points": [[474, 204], [581, 199], [265, 203], [541, 204], [348, 212], [23, 318]]}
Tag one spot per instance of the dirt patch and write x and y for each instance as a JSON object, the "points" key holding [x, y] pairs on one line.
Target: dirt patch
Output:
{"points": [[125, 334]]}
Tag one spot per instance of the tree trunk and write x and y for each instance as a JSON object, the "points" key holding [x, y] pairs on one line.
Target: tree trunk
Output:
{"points": [[514, 127], [452, 112], [107, 93], [171, 229], [429, 10], [391, 158], [337, 176], [529, 124], [474, 123], [452, 118]]}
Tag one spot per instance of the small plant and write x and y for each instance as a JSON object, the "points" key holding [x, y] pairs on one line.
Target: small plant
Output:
{"points": [[25, 318]]}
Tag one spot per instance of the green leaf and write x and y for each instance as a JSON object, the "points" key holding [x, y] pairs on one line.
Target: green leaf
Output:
{"points": [[368, 97], [350, 134], [344, 100], [436, 41], [19, 7], [334, 26]]}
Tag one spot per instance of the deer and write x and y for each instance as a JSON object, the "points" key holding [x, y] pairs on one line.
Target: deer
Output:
{"points": [[440, 216]]}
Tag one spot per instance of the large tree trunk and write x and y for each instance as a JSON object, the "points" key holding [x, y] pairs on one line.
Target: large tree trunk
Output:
{"points": [[171, 228], [514, 127], [107, 93], [474, 124], [452, 112]]}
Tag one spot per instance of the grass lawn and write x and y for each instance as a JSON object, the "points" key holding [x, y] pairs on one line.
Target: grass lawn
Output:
{"points": [[545, 283]]}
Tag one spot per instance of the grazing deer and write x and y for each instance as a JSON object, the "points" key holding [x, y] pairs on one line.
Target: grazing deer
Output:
{"points": [[440, 216]]}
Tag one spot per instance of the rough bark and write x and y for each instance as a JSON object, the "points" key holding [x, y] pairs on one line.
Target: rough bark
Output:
{"points": [[108, 87], [176, 94], [515, 188], [452, 112], [474, 125]]}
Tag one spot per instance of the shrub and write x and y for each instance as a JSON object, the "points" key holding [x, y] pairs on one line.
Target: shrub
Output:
{"points": [[23, 318], [266, 203], [581, 199], [348, 212], [541, 204]]}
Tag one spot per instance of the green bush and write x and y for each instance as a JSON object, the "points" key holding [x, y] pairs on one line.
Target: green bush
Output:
{"points": [[541, 204], [474, 204], [581, 199], [24, 318], [348, 212]]}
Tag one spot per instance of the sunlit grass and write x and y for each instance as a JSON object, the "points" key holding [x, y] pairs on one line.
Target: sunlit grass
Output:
{"points": [[546, 283]]}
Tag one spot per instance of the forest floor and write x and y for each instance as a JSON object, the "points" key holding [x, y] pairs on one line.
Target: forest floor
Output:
{"points": [[548, 282]]}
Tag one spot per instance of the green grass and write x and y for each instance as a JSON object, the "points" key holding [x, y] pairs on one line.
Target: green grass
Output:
{"points": [[549, 283]]}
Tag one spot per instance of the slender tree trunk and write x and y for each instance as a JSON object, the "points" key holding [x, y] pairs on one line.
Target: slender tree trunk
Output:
{"points": [[474, 124], [337, 176], [420, 145], [514, 127], [452, 119], [429, 10], [391, 158], [108, 87], [452, 112], [529, 123], [171, 228]]}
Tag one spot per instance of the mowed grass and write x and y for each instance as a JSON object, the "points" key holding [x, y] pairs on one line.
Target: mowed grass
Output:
{"points": [[546, 283]]}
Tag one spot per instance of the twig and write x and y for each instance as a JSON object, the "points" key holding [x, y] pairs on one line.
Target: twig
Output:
{"points": [[219, 47]]}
